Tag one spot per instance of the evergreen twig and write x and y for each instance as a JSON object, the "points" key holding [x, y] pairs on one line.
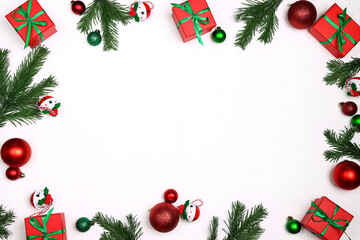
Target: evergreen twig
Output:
{"points": [[17, 96], [109, 13], [6, 219], [341, 145], [242, 224], [116, 230], [258, 16], [341, 71], [213, 228]]}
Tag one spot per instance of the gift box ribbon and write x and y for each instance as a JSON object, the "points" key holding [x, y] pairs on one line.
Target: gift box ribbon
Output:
{"points": [[339, 34], [325, 218], [195, 18], [29, 21], [43, 229]]}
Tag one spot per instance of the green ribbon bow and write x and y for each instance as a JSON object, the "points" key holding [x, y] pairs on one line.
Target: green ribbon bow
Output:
{"points": [[333, 222], [195, 18], [45, 235], [339, 34], [29, 22]]}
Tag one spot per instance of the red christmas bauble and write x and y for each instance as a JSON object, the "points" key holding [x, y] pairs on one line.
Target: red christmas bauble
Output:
{"points": [[346, 175], [349, 108], [170, 196], [164, 217], [14, 173], [15, 152], [302, 14], [78, 7]]}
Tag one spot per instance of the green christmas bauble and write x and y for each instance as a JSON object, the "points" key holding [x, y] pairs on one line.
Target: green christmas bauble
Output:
{"points": [[83, 224], [218, 35], [355, 122], [293, 226], [94, 38]]}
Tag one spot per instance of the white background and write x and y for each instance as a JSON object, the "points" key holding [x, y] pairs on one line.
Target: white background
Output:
{"points": [[213, 122]]}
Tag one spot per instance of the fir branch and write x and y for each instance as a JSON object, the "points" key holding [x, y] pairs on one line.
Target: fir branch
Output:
{"points": [[116, 230], [258, 16], [109, 13], [341, 71], [244, 226], [18, 97], [341, 145], [6, 219], [213, 228]]}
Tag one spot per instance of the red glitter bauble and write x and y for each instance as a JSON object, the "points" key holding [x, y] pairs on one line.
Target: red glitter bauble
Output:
{"points": [[164, 217], [15, 152], [14, 173], [78, 7], [302, 14], [170, 196], [346, 175], [349, 108]]}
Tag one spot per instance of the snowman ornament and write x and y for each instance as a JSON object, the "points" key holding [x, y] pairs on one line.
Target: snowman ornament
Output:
{"points": [[352, 84], [190, 211], [41, 200], [48, 105], [141, 10]]}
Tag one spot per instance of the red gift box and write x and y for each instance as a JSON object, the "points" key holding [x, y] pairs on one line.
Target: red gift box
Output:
{"points": [[51, 225], [41, 25], [326, 219], [193, 18], [328, 28]]}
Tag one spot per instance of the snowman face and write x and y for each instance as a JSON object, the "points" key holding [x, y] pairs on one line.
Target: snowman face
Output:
{"points": [[141, 11], [49, 103], [38, 195], [190, 212]]}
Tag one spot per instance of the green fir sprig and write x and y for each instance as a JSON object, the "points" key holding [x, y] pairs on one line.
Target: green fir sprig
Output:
{"points": [[341, 145], [109, 13], [341, 71], [213, 228], [17, 96], [116, 230], [6, 219], [242, 224], [258, 16]]}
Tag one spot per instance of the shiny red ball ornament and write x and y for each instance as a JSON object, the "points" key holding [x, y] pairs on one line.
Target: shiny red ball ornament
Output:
{"points": [[164, 217], [349, 108], [346, 175], [15, 152], [170, 196], [78, 7], [302, 14], [14, 173]]}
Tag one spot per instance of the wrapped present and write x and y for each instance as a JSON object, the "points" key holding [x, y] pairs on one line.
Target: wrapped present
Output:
{"points": [[46, 227], [326, 219], [193, 18], [336, 31], [33, 24]]}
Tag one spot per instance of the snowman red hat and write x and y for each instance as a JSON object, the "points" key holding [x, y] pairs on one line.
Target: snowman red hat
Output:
{"points": [[190, 211], [141, 10]]}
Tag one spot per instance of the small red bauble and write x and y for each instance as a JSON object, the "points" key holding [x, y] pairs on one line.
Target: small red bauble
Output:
{"points": [[349, 108], [78, 7], [346, 175], [14, 173], [164, 217], [302, 14], [170, 196], [15, 152]]}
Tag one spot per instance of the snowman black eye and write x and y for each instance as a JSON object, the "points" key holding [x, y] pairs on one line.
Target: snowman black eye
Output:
{"points": [[191, 205], [50, 102], [38, 195], [142, 13]]}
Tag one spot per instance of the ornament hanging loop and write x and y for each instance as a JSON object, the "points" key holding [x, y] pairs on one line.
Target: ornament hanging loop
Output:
{"points": [[198, 202]]}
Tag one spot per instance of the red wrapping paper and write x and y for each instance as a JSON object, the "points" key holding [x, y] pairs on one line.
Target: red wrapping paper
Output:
{"points": [[47, 30], [186, 29], [322, 31], [56, 222], [328, 207]]}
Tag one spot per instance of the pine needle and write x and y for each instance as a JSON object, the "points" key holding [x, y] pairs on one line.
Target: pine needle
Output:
{"points": [[258, 16], [6, 219], [213, 228], [341, 145], [341, 71], [17, 96]]}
